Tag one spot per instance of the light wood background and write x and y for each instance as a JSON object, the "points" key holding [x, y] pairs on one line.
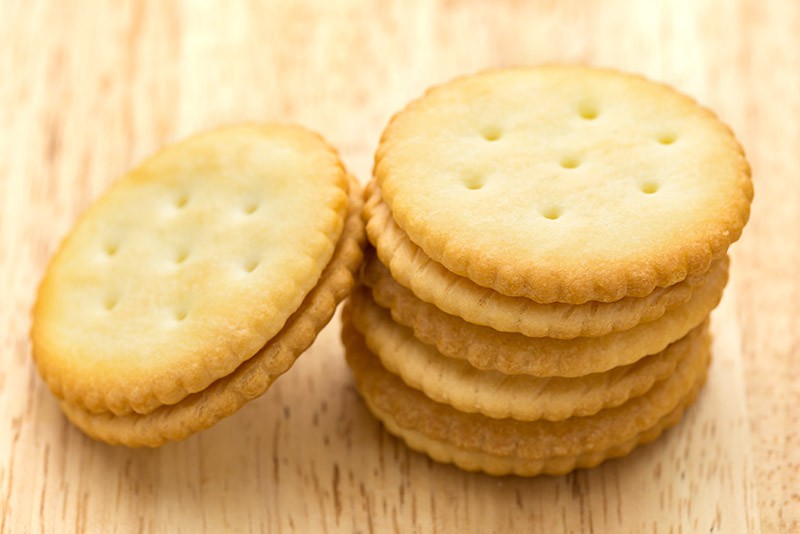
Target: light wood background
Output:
{"points": [[87, 89]]}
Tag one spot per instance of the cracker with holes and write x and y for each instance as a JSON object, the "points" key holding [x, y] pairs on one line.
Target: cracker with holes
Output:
{"points": [[564, 184], [547, 247], [195, 281]]}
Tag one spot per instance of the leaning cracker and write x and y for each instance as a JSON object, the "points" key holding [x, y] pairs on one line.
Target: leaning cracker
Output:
{"points": [[187, 266], [512, 353], [460, 296], [253, 377], [519, 179], [517, 446], [521, 397]]}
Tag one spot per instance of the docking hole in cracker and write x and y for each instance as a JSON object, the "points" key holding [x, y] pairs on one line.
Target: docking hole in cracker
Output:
{"points": [[491, 133], [588, 110]]}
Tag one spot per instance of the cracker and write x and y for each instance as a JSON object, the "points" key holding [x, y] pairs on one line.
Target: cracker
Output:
{"points": [[253, 377], [564, 183], [458, 295], [470, 460], [501, 446], [188, 266], [512, 353], [493, 394]]}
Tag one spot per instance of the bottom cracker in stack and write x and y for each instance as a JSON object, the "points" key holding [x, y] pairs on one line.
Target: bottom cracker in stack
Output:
{"points": [[547, 246]]}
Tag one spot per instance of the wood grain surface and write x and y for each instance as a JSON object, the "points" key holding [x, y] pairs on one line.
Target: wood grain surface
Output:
{"points": [[87, 89]]}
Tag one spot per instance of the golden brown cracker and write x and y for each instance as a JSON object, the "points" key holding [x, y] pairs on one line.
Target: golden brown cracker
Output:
{"points": [[564, 183], [187, 266]]}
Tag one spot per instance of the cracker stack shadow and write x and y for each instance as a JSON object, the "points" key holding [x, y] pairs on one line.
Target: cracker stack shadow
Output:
{"points": [[546, 247]]}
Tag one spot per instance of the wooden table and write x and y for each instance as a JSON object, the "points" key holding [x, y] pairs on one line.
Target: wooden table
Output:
{"points": [[87, 89]]}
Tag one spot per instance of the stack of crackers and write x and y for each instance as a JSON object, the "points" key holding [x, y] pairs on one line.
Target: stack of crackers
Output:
{"points": [[547, 245]]}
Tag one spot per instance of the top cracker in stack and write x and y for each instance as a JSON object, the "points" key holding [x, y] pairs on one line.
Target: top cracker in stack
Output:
{"points": [[196, 281], [541, 234]]}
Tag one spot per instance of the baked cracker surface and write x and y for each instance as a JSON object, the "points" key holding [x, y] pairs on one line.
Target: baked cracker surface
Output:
{"points": [[187, 266], [564, 183]]}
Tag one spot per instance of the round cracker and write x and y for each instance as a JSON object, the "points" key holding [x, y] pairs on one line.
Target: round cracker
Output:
{"points": [[564, 183], [188, 266]]}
